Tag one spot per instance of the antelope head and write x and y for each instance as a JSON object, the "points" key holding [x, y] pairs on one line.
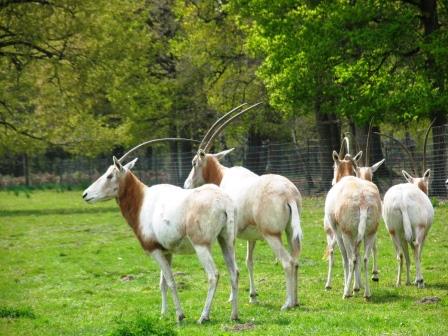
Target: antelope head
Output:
{"points": [[344, 165], [107, 186], [421, 181], [205, 166]]}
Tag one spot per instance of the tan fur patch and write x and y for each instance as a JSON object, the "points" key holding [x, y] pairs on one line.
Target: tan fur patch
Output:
{"points": [[344, 168], [212, 171], [365, 174], [423, 186], [130, 199]]}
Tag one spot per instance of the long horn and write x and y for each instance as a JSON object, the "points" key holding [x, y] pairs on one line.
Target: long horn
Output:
{"points": [[402, 146], [424, 146], [342, 147], [346, 141], [216, 124], [224, 124], [152, 142], [367, 160]]}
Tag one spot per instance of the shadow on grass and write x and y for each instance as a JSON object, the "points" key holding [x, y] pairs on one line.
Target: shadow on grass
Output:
{"points": [[60, 211], [380, 297], [437, 285]]}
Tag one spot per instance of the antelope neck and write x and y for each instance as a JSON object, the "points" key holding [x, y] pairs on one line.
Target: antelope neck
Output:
{"points": [[130, 199], [213, 171]]}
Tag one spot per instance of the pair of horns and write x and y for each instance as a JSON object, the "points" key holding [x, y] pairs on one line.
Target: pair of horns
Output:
{"points": [[345, 141], [411, 157], [219, 125], [211, 134], [367, 151]]}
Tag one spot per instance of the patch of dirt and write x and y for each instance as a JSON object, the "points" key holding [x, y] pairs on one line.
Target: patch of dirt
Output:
{"points": [[240, 327], [428, 300], [127, 277]]}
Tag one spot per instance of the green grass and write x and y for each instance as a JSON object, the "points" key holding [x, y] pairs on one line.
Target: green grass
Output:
{"points": [[63, 265]]}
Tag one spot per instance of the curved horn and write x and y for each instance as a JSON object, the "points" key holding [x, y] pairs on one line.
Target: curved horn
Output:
{"points": [[216, 124], [224, 124], [151, 142], [402, 146], [424, 146], [347, 142], [367, 160]]}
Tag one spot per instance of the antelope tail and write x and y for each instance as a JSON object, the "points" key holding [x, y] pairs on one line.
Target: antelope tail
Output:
{"points": [[406, 225], [362, 225], [297, 234]]}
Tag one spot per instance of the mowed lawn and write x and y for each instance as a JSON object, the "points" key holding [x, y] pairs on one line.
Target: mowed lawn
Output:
{"points": [[69, 268]]}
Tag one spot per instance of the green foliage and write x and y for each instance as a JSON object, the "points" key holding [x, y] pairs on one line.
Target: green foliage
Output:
{"points": [[8, 312], [144, 326], [359, 59], [75, 74]]}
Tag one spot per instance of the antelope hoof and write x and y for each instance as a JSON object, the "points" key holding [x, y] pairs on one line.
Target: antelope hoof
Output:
{"points": [[355, 290], [253, 298], [203, 319], [327, 286], [287, 306], [346, 296], [367, 296], [234, 317], [420, 283], [180, 317], [375, 278]]}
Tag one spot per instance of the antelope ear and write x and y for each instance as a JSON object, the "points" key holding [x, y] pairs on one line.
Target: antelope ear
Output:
{"points": [[335, 157], [221, 155], [358, 156], [117, 164], [408, 177], [377, 165], [130, 165], [426, 175]]}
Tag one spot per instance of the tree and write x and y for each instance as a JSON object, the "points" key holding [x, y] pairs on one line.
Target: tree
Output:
{"points": [[76, 74]]}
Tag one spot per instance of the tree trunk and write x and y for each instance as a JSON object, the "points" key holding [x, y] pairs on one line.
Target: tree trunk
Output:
{"points": [[330, 139], [26, 170], [435, 75], [254, 158]]}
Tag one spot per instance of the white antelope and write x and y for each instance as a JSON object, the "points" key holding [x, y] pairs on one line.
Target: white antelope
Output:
{"points": [[346, 168], [352, 213], [408, 215], [167, 219], [267, 206], [366, 173]]}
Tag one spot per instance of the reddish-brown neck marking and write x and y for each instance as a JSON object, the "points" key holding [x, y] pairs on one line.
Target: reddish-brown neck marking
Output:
{"points": [[344, 168], [212, 172], [423, 186], [130, 199]]}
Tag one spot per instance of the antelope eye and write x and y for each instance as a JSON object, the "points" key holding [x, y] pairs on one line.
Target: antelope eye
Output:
{"points": [[109, 176]]}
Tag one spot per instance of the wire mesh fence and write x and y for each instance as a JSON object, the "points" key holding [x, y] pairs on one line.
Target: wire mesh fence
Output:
{"points": [[301, 163]]}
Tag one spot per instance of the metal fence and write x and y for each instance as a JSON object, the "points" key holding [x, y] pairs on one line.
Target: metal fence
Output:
{"points": [[299, 162]]}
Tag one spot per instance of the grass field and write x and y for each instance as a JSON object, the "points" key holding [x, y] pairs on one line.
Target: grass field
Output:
{"points": [[69, 268]]}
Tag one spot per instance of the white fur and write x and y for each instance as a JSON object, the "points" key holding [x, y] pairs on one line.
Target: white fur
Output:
{"points": [[163, 219], [408, 215], [267, 205], [352, 212]]}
